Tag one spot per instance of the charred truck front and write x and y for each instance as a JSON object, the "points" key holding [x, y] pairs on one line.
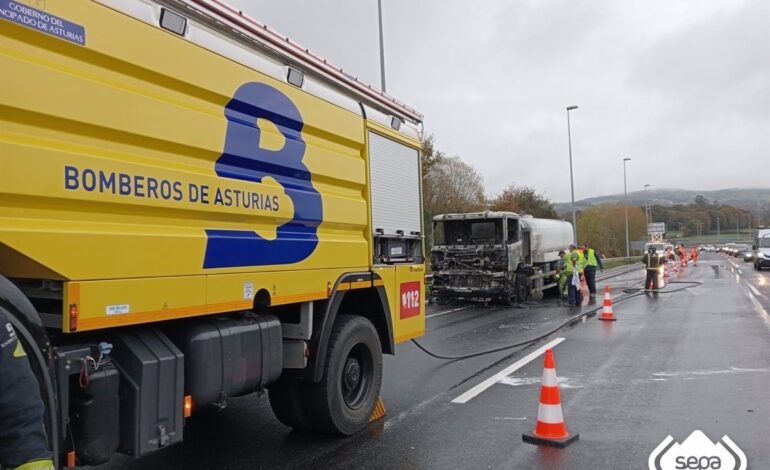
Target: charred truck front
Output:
{"points": [[495, 256]]}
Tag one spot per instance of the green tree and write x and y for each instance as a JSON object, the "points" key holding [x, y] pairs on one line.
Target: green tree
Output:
{"points": [[524, 200], [430, 155], [604, 228]]}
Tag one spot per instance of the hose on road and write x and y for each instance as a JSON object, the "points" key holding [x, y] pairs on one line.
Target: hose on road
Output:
{"points": [[633, 292]]}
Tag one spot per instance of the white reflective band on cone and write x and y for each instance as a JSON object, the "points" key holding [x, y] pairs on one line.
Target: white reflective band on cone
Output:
{"points": [[550, 414], [549, 377], [607, 309]]}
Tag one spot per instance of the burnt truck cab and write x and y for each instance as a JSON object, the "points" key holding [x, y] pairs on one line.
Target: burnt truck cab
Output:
{"points": [[495, 255]]}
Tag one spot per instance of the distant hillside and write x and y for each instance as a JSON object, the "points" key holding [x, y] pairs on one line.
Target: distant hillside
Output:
{"points": [[756, 200]]}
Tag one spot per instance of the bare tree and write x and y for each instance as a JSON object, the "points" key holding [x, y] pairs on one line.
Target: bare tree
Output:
{"points": [[452, 185]]}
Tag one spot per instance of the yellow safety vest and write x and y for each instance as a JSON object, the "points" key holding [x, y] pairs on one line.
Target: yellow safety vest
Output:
{"points": [[591, 258], [568, 267]]}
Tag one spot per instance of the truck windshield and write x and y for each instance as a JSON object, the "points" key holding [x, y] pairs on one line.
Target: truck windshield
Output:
{"points": [[468, 232]]}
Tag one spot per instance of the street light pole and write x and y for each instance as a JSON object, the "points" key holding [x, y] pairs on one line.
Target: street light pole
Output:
{"points": [[719, 235], [571, 178], [737, 227], [625, 200], [382, 47], [647, 204]]}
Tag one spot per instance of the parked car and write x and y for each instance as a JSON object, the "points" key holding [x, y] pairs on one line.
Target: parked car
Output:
{"points": [[749, 256]]}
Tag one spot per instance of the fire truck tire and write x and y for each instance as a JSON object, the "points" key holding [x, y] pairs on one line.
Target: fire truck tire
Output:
{"points": [[286, 401], [343, 401]]}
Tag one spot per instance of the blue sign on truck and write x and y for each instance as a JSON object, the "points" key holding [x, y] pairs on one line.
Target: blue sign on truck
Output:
{"points": [[44, 22]]}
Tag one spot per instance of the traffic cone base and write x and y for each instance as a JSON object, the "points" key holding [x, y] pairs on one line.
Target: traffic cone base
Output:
{"points": [[532, 438]]}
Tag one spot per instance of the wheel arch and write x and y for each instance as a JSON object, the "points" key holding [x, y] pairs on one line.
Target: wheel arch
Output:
{"points": [[368, 302]]}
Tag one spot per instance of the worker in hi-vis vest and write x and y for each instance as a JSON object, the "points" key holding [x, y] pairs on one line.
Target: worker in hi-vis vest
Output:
{"points": [[23, 443], [593, 261], [573, 268], [561, 275], [653, 264]]}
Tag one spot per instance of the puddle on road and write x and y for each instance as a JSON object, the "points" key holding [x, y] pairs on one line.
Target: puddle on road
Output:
{"points": [[564, 382]]}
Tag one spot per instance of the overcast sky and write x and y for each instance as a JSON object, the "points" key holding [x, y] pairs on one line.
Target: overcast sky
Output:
{"points": [[681, 87]]}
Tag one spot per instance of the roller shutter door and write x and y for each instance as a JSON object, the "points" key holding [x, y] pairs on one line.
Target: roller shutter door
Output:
{"points": [[394, 171]]}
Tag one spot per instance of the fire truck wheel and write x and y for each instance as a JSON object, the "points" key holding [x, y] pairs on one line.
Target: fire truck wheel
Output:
{"points": [[286, 402], [343, 401]]}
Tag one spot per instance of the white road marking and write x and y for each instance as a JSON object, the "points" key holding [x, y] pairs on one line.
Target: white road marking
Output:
{"points": [[563, 382], [447, 312], [473, 392], [701, 373], [755, 291], [760, 309]]}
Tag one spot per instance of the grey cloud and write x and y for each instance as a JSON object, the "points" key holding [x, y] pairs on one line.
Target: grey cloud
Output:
{"points": [[681, 87]]}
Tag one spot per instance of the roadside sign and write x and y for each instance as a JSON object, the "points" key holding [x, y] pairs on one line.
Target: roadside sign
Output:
{"points": [[656, 227]]}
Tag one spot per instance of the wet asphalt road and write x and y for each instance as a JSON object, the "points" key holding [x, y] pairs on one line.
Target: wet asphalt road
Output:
{"points": [[671, 364]]}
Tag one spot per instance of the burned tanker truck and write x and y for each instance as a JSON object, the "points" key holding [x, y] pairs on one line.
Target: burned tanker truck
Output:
{"points": [[495, 256]]}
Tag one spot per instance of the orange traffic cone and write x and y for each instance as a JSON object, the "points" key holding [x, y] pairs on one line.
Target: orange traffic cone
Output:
{"points": [[550, 429], [607, 314]]}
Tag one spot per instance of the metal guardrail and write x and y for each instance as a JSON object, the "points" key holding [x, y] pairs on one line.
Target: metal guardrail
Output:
{"points": [[618, 271]]}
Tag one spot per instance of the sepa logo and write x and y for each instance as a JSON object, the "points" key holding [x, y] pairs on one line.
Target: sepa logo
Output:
{"points": [[697, 452]]}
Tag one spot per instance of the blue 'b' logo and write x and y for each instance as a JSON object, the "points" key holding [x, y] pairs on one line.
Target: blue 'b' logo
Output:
{"points": [[243, 159]]}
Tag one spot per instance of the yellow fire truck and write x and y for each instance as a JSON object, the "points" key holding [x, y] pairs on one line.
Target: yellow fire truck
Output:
{"points": [[194, 207]]}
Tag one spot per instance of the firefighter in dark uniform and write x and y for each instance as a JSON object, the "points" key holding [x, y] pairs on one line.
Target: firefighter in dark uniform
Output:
{"points": [[23, 443], [652, 262]]}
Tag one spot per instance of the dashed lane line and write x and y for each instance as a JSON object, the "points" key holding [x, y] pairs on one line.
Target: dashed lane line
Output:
{"points": [[755, 291], [760, 309], [447, 312], [473, 392]]}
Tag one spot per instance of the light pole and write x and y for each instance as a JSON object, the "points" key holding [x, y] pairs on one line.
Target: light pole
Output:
{"points": [[382, 48], [719, 235], [571, 178], [737, 227], [647, 204], [625, 200]]}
